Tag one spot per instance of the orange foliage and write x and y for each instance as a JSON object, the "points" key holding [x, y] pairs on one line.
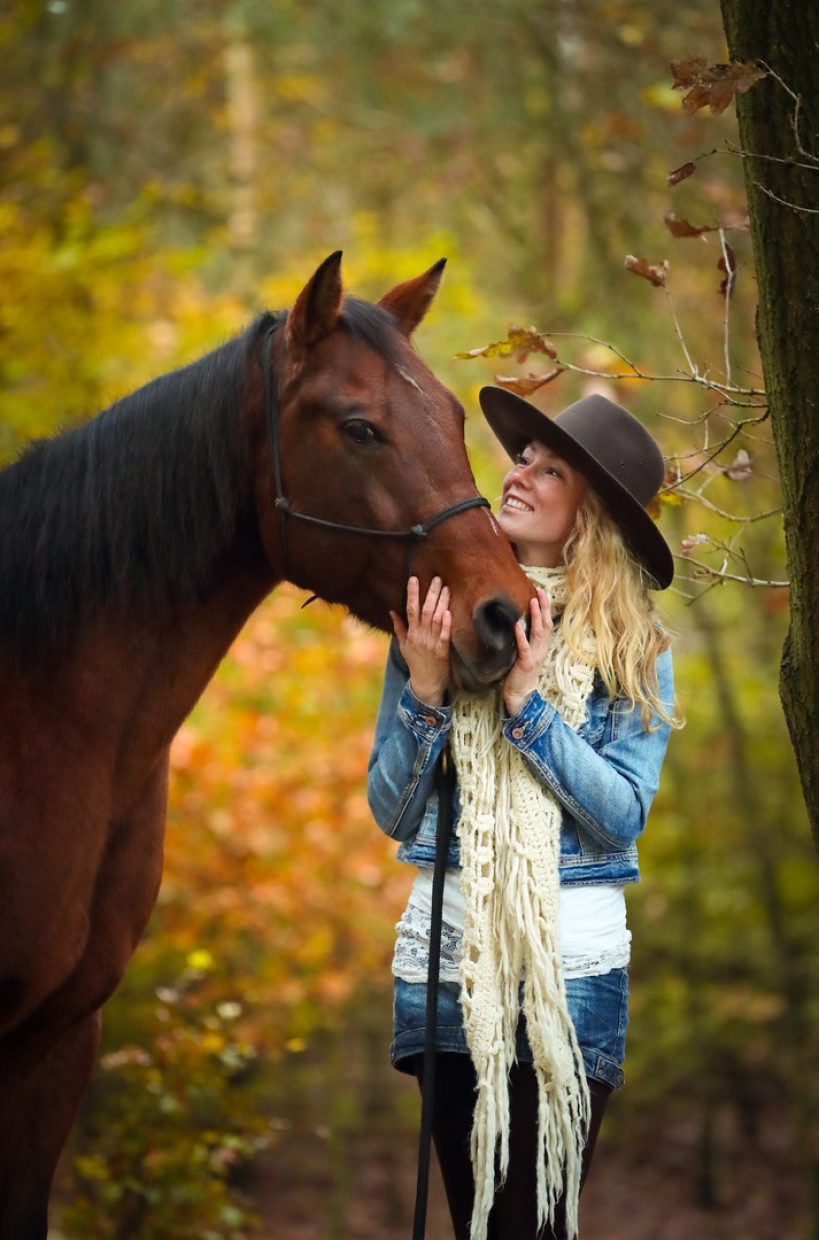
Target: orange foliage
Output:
{"points": [[273, 862]]}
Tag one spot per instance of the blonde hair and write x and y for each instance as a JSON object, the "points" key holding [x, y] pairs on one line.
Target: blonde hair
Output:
{"points": [[608, 590]]}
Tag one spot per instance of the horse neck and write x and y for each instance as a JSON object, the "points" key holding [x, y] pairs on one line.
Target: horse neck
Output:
{"points": [[132, 679]]}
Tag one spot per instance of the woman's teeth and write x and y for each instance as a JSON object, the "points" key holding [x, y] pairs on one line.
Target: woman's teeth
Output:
{"points": [[517, 504]]}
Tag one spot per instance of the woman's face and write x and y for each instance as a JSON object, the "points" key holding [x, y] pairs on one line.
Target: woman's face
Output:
{"points": [[540, 499]]}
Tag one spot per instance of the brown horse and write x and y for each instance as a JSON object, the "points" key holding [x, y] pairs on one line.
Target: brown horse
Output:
{"points": [[315, 447]]}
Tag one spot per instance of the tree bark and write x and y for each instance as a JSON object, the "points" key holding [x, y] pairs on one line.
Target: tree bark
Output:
{"points": [[785, 35]]}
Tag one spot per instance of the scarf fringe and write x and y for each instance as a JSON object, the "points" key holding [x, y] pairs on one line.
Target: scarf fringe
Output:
{"points": [[510, 839]]}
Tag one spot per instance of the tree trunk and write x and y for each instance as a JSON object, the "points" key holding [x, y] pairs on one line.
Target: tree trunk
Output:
{"points": [[785, 35], [243, 121]]}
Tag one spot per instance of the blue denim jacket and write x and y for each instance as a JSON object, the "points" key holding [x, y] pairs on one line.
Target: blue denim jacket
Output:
{"points": [[605, 775]]}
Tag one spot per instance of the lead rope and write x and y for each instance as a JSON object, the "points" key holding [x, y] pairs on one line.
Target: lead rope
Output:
{"points": [[445, 782]]}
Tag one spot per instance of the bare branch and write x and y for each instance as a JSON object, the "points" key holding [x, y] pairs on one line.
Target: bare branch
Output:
{"points": [[797, 103], [678, 329], [719, 575], [725, 390], [794, 206], [733, 149], [711, 455], [698, 498]]}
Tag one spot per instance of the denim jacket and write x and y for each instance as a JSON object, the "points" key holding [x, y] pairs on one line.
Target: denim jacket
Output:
{"points": [[604, 775]]}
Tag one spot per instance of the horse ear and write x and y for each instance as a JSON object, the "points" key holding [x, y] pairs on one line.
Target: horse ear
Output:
{"points": [[409, 302], [317, 307]]}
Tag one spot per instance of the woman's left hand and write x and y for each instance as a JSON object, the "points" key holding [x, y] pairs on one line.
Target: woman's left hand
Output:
{"points": [[523, 677]]}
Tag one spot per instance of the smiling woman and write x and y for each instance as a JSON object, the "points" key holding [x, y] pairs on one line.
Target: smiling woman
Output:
{"points": [[556, 772], [541, 496]]}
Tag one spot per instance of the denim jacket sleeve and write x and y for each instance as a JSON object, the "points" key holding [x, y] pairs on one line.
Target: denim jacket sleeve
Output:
{"points": [[409, 737], [607, 789]]}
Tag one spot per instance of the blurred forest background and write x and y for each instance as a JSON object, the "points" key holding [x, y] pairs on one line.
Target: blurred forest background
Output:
{"points": [[168, 169]]}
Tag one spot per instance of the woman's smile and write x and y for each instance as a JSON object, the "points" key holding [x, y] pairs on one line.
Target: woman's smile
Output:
{"points": [[541, 496]]}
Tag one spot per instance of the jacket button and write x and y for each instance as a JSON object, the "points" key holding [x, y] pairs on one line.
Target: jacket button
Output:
{"points": [[431, 720], [517, 733]]}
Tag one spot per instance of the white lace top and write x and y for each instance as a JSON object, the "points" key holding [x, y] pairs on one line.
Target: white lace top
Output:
{"points": [[594, 937]]}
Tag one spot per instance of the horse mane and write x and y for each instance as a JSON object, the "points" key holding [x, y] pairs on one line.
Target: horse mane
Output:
{"points": [[139, 504]]}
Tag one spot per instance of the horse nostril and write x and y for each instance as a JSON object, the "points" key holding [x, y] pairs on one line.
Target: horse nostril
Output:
{"points": [[495, 621]]}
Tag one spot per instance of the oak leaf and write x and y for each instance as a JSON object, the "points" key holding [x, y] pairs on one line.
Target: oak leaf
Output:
{"points": [[712, 86], [682, 173], [524, 385], [528, 340], [682, 228], [653, 272], [520, 341]]}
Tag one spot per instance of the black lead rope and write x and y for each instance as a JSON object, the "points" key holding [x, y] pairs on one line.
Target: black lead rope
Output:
{"points": [[415, 534], [445, 782]]}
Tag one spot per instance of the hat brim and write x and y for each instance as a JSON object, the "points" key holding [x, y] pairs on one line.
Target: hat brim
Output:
{"points": [[517, 423]]}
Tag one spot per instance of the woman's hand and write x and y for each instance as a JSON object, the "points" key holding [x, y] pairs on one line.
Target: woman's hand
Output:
{"points": [[424, 640], [523, 677]]}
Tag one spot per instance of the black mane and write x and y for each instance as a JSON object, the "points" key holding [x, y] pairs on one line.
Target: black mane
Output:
{"points": [[139, 504]]}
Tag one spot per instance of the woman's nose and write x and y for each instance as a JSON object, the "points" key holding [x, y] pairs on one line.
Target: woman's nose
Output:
{"points": [[520, 474]]}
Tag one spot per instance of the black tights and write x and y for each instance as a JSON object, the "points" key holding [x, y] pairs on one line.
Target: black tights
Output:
{"points": [[514, 1214]]}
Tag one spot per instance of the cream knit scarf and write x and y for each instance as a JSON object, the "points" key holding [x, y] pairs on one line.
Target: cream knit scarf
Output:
{"points": [[510, 842]]}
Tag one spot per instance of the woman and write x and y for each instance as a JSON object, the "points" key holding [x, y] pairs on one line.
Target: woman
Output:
{"points": [[556, 771]]}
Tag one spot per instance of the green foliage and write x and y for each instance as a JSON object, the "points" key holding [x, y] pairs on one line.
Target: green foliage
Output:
{"points": [[168, 1121]]}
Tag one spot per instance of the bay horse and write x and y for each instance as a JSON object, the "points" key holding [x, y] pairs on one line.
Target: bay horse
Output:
{"points": [[315, 447]]}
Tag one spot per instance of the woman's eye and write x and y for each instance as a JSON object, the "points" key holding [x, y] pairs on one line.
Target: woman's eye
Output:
{"points": [[361, 432]]}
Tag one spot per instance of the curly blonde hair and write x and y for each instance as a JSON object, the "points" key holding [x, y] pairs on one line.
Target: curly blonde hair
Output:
{"points": [[608, 590]]}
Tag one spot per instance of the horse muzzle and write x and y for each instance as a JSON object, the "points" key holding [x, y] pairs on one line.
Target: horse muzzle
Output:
{"points": [[494, 621]]}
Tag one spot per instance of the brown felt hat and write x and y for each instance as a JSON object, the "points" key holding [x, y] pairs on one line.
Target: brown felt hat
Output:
{"points": [[610, 448]]}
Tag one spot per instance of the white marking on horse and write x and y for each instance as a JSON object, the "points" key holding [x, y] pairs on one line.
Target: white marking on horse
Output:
{"points": [[495, 527], [405, 374]]}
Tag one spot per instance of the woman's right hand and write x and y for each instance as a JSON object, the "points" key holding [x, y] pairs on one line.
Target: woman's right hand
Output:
{"points": [[424, 640]]}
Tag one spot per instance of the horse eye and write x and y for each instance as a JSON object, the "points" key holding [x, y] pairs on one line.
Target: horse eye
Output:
{"points": [[361, 432]]}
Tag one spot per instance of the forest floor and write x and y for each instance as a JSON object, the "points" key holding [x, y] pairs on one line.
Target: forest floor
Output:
{"points": [[308, 1188]]}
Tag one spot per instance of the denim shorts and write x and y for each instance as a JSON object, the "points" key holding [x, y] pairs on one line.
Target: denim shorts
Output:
{"points": [[597, 1005]]}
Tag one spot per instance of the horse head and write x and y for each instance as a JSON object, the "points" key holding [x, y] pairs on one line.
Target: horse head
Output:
{"points": [[368, 444]]}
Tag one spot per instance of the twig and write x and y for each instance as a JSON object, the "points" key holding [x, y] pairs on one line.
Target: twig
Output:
{"points": [[723, 389], [711, 454], [733, 149], [698, 498], [794, 206], [797, 103], [721, 575], [678, 329], [730, 277]]}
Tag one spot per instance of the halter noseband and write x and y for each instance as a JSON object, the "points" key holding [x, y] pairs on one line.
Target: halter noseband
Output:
{"points": [[415, 534]]}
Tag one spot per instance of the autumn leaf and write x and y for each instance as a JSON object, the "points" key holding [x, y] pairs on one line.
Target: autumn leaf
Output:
{"points": [[726, 288], [682, 173], [712, 86], [665, 499], [530, 340], [524, 385], [740, 469], [520, 341], [682, 228], [652, 272]]}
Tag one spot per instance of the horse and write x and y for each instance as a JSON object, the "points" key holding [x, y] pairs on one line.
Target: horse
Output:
{"points": [[314, 447]]}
